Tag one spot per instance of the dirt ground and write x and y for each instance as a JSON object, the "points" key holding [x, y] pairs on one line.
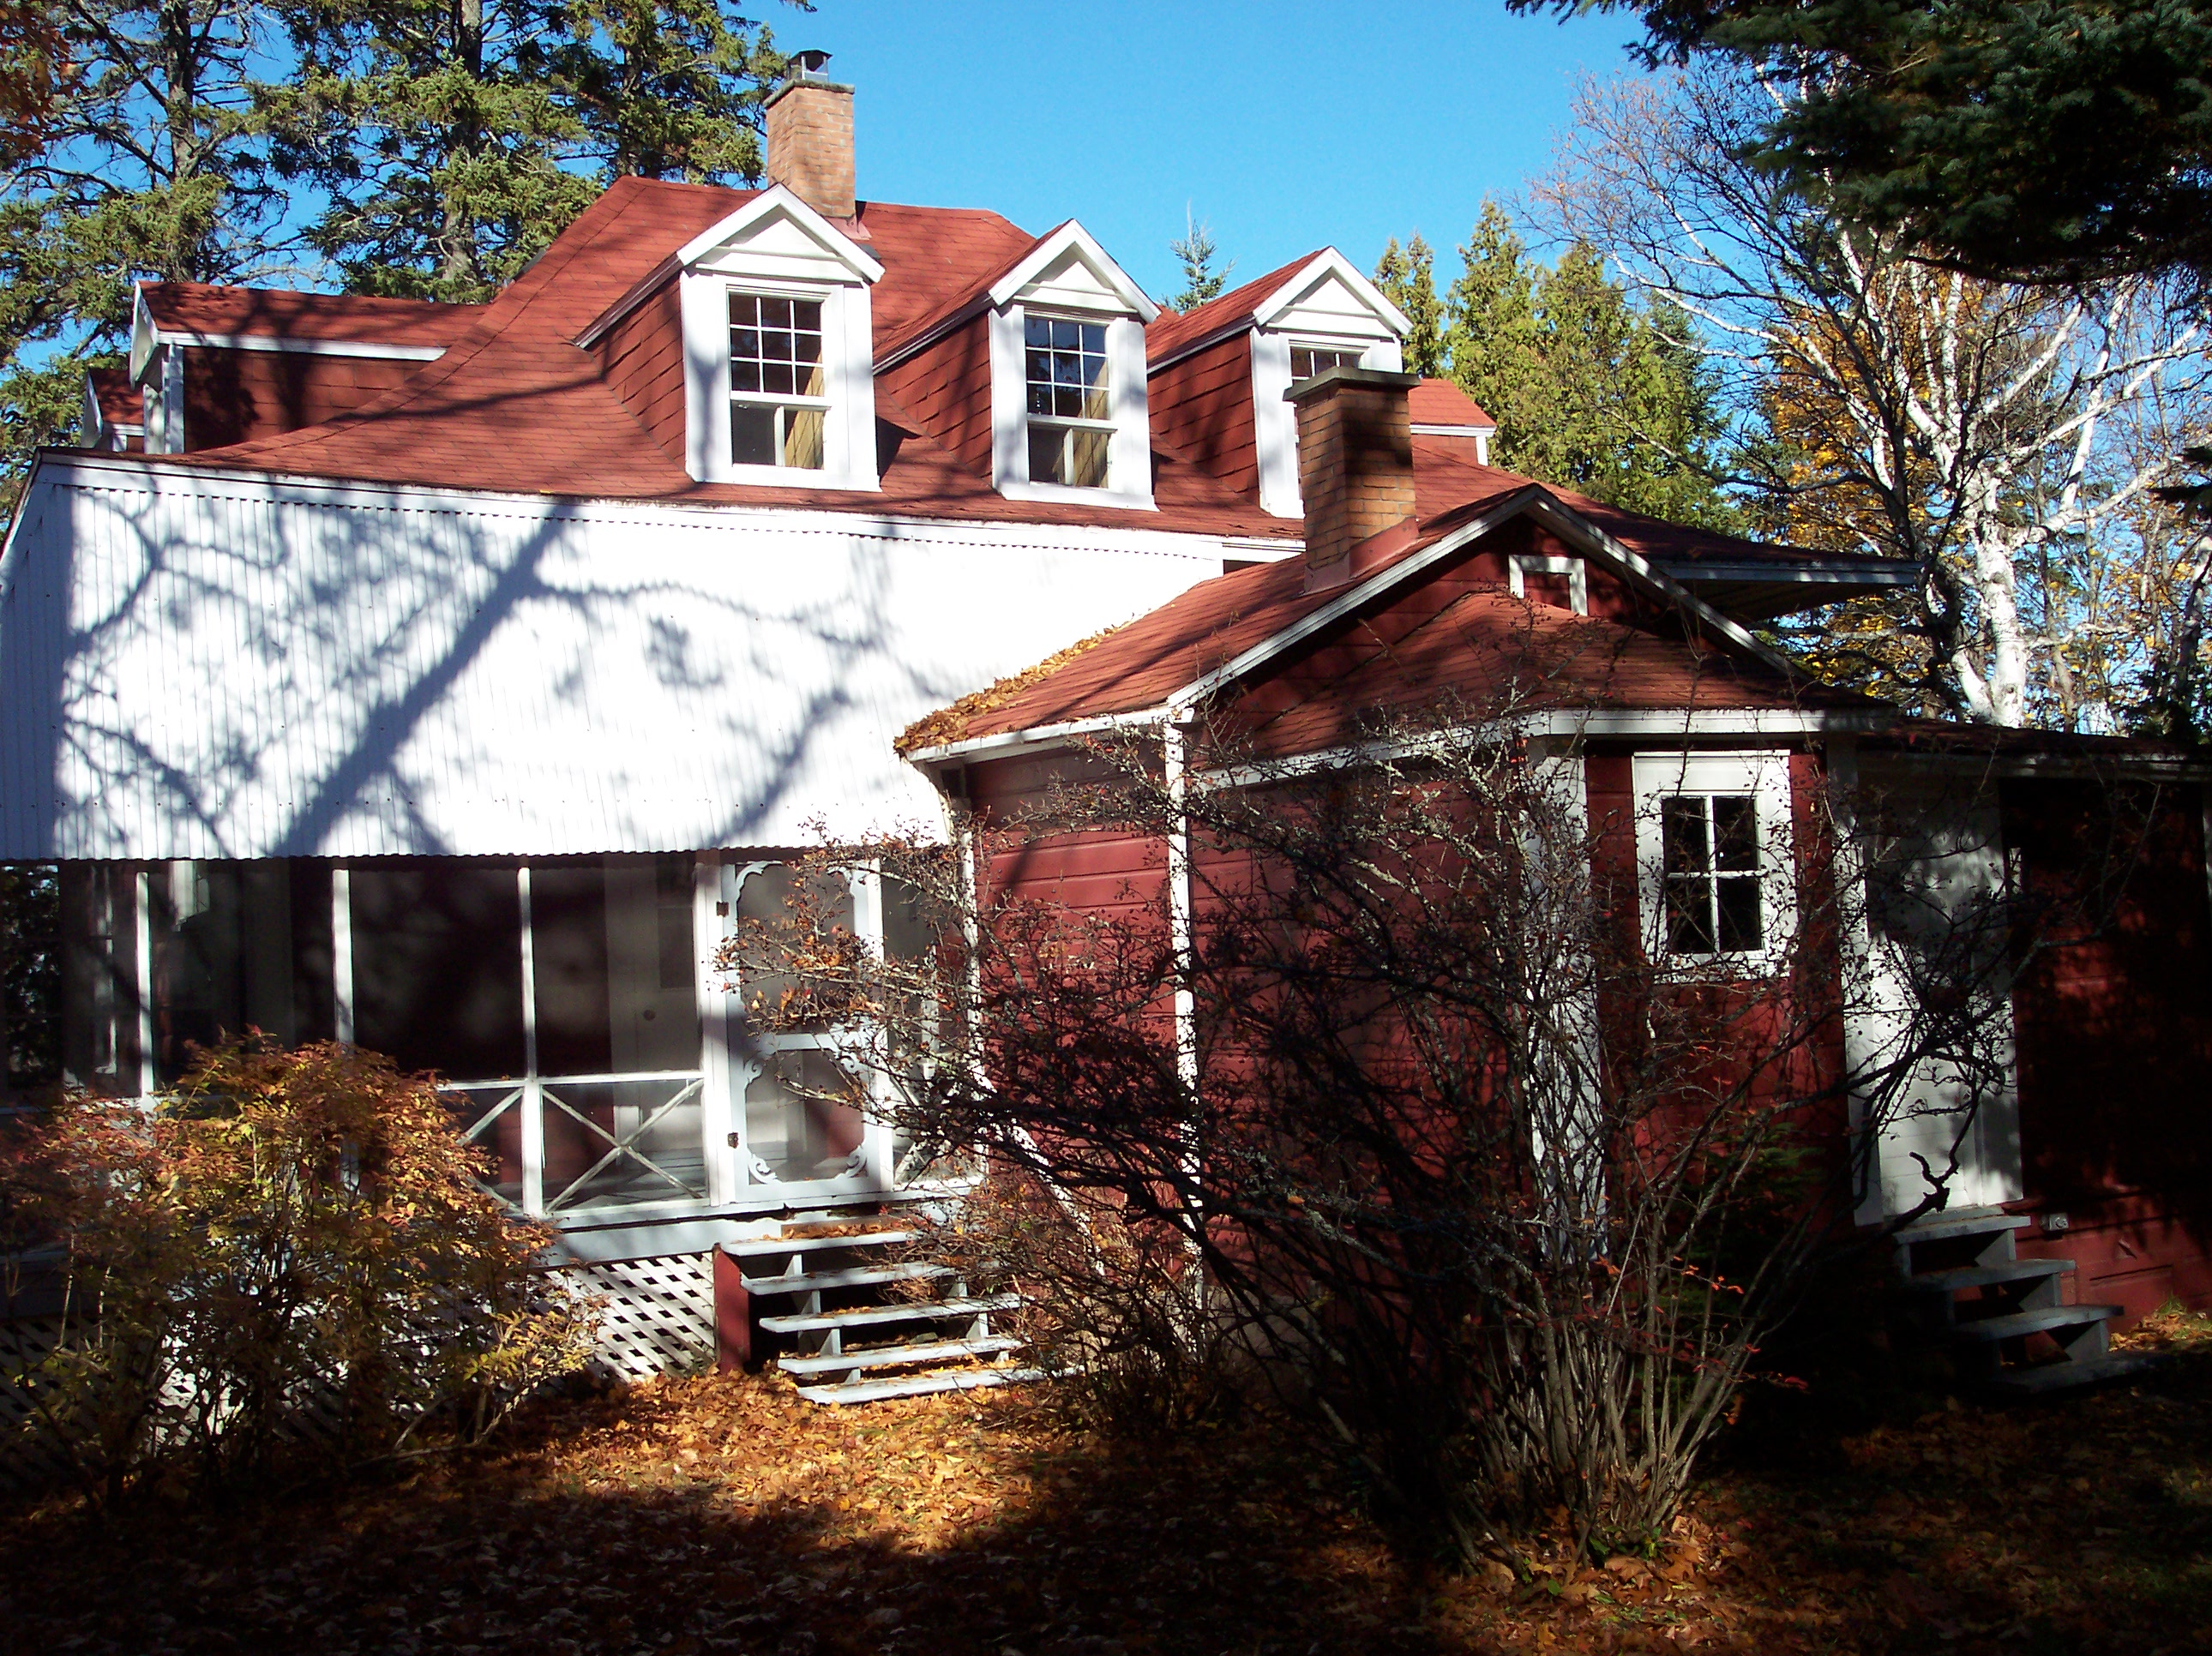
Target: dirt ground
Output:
{"points": [[725, 1514]]}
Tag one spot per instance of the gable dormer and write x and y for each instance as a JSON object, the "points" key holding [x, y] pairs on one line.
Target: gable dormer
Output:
{"points": [[1220, 373], [749, 350], [1069, 418]]}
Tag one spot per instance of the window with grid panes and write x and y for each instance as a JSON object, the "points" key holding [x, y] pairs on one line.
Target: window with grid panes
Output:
{"points": [[1069, 401], [778, 398], [1306, 362], [1710, 851]]}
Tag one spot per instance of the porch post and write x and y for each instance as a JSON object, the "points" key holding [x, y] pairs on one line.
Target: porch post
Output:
{"points": [[533, 1114], [717, 1127], [341, 1020], [142, 962]]}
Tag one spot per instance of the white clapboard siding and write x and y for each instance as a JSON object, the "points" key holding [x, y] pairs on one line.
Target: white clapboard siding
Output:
{"points": [[198, 665]]}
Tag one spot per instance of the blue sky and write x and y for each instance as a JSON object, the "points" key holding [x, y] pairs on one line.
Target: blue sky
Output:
{"points": [[1288, 125]]}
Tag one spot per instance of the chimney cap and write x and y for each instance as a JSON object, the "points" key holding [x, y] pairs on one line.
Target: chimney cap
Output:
{"points": [[805, 65], [1345, 374]]}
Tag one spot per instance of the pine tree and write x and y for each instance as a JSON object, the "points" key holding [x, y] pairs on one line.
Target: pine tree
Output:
{"points": [[1588, 391], [1407, 279], [455, 141], [145, 163], [1195, 252]]}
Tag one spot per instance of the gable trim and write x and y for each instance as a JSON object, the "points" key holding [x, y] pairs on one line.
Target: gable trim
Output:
{"points": [[1071, 235], [1329, 262]]}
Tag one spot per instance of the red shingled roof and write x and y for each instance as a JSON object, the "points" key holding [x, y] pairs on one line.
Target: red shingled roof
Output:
{"points": [[515, 406], [1171, 334], [1441, 402], [1472, 646], [121, 403], [933, 315], [269, 312]]}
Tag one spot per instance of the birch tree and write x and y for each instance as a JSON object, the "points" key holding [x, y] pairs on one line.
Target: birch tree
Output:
{"points": [[1993, 435]]}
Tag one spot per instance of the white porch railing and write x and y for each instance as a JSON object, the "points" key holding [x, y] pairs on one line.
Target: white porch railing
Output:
{"points": [[620, 1140]]}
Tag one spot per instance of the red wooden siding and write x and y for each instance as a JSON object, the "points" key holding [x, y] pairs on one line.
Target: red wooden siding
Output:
{"points": [[2114, 1026], [642, 357], [1201, 410], [233, 397], [946, 390]]}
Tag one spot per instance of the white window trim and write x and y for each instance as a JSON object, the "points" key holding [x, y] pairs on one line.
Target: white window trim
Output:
{"points": [[848, 434], [1275, 423], [1763, 773], [1522, 565], [1129, 455]]}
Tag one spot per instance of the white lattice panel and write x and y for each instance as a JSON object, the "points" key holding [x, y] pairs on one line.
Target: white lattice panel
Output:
{"points": [[656, 1316]]}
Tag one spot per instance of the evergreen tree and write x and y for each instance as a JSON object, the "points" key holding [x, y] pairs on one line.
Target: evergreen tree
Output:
{"points": [[142, 161], [1195, 252], [1407, 279], [455, 141], [1588, 391]]}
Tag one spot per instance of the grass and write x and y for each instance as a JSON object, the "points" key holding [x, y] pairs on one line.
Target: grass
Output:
{"points": [[720, 1513]]}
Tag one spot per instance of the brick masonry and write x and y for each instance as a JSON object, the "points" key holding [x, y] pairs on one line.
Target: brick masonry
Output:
{"points": [[810, 145], [1355, 460]]}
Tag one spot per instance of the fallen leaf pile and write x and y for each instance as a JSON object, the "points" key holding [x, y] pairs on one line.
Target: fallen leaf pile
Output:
{"points": [[724, 1513]]}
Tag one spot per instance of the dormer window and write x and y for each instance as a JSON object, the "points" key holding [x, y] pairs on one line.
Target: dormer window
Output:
{"points": [[779, 398], [1070, 406]]}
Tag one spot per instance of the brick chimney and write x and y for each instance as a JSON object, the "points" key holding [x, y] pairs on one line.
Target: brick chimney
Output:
{"points": [[810, 138], [1355, 464]]}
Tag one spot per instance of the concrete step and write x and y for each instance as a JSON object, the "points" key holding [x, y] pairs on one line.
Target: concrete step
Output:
{"points": [[876, 1315], [1980, 1222], [2013, 1270], [916, 1385], [858, 1277], [768, 1247], [2016, 1323], [893, 1357], [2048, 1377]]}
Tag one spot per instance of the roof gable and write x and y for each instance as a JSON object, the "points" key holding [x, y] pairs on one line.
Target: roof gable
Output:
{"points": [[1330, 296], [1067, 269], [776, 233]]}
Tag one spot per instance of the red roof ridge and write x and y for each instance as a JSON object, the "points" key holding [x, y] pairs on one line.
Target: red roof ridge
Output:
{"points": [[1178, 334]]}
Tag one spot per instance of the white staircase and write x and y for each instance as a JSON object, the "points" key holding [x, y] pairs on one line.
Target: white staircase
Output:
{"points": [[849, 1341], [1966, 1284]]}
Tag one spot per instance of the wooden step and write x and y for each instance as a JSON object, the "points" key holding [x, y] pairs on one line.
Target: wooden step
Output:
{"points": [[1984, 1222], [2016, 1323], [768, 1247], [2045, 1378], [858, 1277], [870, 1316], [916, 1385], [891, 1356], [2013, 1270]]}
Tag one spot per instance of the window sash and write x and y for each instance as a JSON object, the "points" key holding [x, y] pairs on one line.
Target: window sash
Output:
{"points": [[1712, 884]]}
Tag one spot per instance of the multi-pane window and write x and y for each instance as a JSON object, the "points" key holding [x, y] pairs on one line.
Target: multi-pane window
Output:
{"points": [[777, 396], [1710, 851], [1070, 402], [1306, 362]]}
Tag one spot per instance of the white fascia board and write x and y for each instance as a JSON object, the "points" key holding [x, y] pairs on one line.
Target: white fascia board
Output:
{"points": [[1420, 430], [1009, 287], [1571, 525], [1329, 262], [835, 242], [264, 341], [1868, 572], [149, 474], [1008, 744]]}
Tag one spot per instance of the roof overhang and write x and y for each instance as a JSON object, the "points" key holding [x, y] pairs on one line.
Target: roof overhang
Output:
{"points": [[1762, 588], [149, 335]]}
